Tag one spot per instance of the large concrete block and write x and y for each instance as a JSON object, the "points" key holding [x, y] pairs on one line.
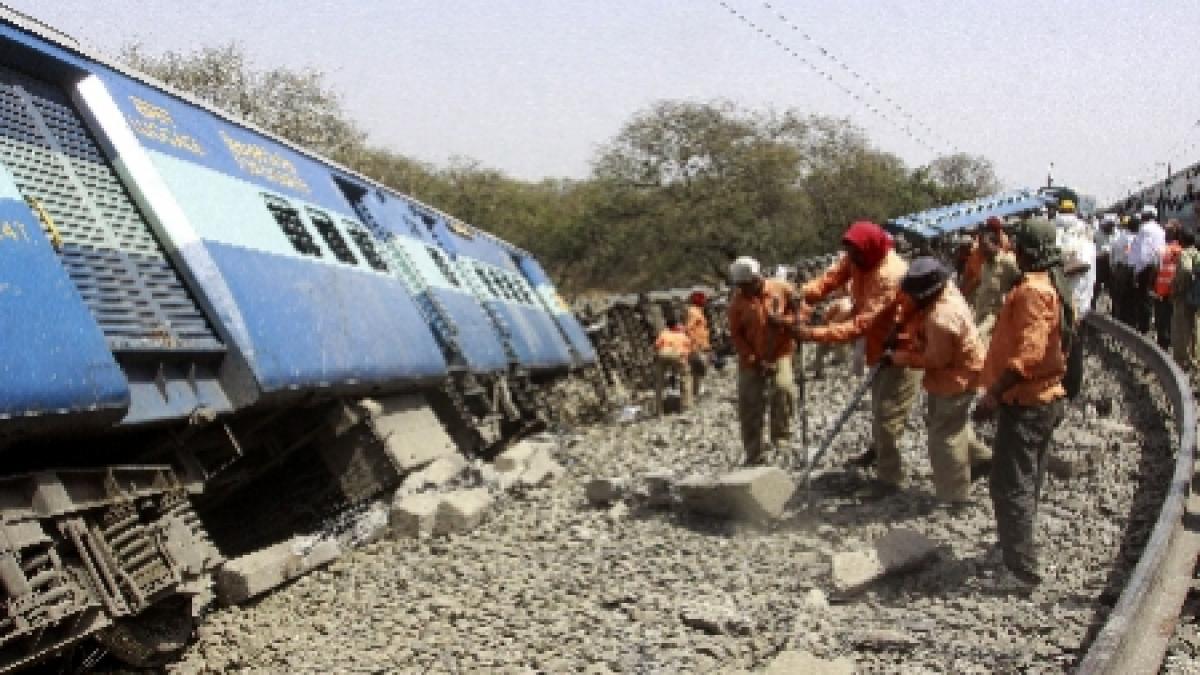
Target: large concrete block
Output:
{"points": [[247, 576], [897, 551], [462, 511], [757, 493], [410, 431], [439, 472], [414, 515], [754, 494]]}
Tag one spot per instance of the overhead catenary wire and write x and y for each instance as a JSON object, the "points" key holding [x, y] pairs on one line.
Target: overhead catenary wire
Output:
{"points": [[826, 75], [868, 84]]}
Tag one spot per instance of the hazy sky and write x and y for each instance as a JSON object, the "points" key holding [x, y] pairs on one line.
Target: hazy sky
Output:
{"points": [[1103, 89]]}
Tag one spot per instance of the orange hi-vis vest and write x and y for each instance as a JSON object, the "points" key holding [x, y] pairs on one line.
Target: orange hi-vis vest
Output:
{"points": [[1166, 269], [673, 344]]}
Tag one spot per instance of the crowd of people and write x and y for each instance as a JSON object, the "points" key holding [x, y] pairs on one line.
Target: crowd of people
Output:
{"points": [[991, 336]]}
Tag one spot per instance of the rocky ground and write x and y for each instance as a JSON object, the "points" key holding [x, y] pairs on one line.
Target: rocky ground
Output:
{"points": [[549, 583]]}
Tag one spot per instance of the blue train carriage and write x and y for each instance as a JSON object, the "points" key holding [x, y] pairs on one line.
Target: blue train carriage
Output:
{"points": [[196, 311]]}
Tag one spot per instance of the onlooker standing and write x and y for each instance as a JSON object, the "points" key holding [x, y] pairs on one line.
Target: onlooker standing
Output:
{"points": [[1123, 284], [1144, 255], [1168, 262], [1183, 313], [1022, 376], [760, 320], [1104, 272]]}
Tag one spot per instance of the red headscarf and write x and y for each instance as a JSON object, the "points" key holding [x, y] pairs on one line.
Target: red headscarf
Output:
{"points": [[698, 298], [995, 223], [870, 240]]}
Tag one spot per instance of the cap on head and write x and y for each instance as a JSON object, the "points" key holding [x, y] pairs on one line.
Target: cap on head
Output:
{"points": [[1066, 206], [995, 223], [698, 298], [926, 277], [1110, 218], [1149, 211], [744, 270]]}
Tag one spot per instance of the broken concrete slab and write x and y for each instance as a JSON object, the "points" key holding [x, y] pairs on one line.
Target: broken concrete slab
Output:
{"points": [[436, 474], [462, 510], [757, 493], [246, 576], [806, 663], [753, 494], [605, 491], [516, 457], [897, 551], [410, 431], [414, 515]]}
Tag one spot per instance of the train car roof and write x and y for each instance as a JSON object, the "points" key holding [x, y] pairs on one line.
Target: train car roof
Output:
{"points": [[40, 29]]}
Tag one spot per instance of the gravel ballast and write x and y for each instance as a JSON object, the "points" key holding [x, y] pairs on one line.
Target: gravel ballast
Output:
{"points": [[551, 582]]}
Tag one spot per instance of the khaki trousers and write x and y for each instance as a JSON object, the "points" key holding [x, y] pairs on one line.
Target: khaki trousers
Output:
{"points": [[665, 365], [752, 387], [953, 448], [892, 396], [1183, 335]]}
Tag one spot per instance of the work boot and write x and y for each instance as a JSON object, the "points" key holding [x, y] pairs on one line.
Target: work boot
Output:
{"points": [[865, 460]]}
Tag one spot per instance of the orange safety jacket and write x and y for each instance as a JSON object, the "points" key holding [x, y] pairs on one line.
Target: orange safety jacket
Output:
{"points": [[1166, 269], [673, 343], [873, 292]]}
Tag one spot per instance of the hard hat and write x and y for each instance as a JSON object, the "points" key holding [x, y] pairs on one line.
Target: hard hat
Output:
{"points": [[743, 269], [1066, 205], [1149, 210]]}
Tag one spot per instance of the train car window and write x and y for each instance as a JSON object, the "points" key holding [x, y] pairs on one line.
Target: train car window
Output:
{"points": [[288, 218], [365, 245], [439, 259], [333, 238]]}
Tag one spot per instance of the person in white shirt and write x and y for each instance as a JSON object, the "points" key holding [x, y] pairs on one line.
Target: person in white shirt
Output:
{"points": [[1123, 286], [1144, 255]]}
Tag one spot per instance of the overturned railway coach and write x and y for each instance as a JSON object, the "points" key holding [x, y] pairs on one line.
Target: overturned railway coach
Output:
{"points": [[207, 333]]}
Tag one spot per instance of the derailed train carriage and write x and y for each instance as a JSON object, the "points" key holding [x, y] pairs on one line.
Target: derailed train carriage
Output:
{"points": [[214, 340]]}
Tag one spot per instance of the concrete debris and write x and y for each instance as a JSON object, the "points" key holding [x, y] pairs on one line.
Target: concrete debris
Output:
{"points": [[897, 551], [436, 474], [541, 469], [805, 663], [754, 494], [605, 491], [414, 515], [411, 433], [243, 578], [815, 599], [462, 510], [516, 457]]}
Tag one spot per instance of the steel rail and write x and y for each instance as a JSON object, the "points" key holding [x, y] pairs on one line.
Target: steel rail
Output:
{"points": [[1135, 635]]}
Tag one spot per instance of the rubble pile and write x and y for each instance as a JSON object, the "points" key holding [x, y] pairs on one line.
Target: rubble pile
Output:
{"points": [[607, 564]]}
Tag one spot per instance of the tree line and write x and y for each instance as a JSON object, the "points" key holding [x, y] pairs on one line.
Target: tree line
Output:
{"points": [[682, 189]]}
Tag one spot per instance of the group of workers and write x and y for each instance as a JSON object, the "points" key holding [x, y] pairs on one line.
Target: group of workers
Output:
{"points": [[1001, 354], [998, 344]]}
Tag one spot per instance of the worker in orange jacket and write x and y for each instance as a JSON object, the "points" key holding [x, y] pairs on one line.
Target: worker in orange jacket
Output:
{"points": [[672, 349], [939, 338], [761, 317], [972, 274], [696, 327], [873, 271]]}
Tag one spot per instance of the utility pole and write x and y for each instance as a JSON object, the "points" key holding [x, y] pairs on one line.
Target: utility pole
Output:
{"points": [[1050, 175]]}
